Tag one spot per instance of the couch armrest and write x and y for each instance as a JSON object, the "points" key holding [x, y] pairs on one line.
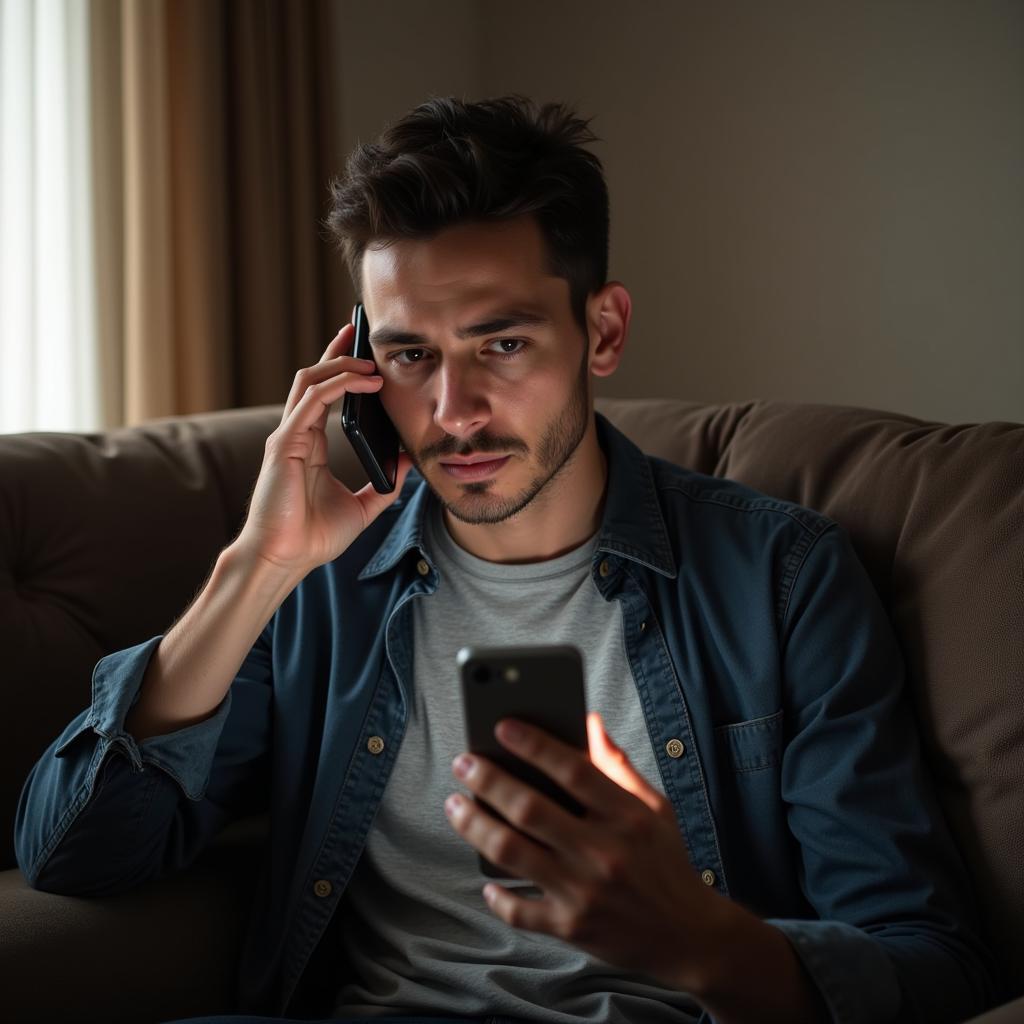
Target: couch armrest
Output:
{"points": [[165, 950]]}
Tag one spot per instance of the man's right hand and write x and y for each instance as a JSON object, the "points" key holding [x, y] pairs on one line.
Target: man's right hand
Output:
{"points": [[301, 515]]}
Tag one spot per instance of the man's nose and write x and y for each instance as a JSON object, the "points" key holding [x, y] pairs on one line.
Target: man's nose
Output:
{"points": [[462, 407]]}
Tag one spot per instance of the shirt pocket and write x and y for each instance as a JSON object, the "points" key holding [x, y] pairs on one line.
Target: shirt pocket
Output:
{"points": [[753, 745]]}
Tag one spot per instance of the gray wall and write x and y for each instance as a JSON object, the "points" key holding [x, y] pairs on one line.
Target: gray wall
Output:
{"points": [[810, 201]]}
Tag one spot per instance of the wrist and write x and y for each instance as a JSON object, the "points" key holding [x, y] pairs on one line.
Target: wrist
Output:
{"points": [[724, 939], [239, 558], [751, 971]]}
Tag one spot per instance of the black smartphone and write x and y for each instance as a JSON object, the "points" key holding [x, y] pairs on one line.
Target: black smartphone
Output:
{"points": [[367, 426], [542, 686]]}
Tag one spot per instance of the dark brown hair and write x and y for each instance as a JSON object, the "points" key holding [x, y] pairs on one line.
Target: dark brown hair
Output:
{"points": [[448, 162]]}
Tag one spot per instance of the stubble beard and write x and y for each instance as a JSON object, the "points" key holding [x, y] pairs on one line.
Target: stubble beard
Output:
{"points": [[554, 451]]}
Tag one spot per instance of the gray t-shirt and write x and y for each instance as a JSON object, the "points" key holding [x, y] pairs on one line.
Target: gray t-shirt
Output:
{"points": [[415, 929]]}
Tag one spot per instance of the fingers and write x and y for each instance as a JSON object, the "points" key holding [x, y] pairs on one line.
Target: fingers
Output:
{"points": [[334, 360], [504, 846], [316, 401], [372, 501], [526, 808], [534, 915], [571, 768], [340, 344]]}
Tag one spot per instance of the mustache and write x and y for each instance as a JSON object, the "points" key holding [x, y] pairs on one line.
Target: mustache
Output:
{"points": [[482, 442]]}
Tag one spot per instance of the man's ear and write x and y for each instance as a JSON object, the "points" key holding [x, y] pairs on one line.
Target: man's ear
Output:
{"points": [[608, 313]]}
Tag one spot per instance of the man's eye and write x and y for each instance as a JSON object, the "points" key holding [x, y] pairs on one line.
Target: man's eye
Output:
{"points": [[508, 347], [407, 356]]}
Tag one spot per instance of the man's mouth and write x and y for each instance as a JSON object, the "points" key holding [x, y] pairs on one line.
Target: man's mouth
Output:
{"points": [[473, 467]]}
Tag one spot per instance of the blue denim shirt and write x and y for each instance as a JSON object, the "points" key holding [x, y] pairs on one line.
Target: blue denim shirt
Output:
{"points": [[756, 642]]}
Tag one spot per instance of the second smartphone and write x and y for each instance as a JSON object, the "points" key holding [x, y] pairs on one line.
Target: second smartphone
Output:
{"points": [[541, 686], [367, 426]]}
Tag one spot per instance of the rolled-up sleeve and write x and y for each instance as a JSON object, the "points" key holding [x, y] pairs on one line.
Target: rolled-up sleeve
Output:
{"points": [[100, 812], [186, 754], [898, 936]]}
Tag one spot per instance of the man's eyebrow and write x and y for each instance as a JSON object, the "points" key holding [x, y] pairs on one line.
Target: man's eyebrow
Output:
{"points": [[381, 336]]}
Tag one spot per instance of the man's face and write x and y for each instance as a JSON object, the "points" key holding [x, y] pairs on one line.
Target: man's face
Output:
{"points": [[486, 374]]}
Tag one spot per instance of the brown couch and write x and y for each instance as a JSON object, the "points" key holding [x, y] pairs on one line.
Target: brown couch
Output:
{"points": [[106, 537]]}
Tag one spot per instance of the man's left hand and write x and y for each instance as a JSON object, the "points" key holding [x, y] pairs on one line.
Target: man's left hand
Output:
{"points": [[616, 882]]}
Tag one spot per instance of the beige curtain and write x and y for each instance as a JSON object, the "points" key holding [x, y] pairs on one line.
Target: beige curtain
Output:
{"points": [[214, 124]]}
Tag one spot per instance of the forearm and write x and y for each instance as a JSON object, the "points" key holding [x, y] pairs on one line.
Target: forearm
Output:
{"points": [[192, 669], [754, 974]]}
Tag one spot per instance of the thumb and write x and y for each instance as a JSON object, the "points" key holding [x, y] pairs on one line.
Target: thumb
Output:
{"points": [[373, 502], [612, 760]]}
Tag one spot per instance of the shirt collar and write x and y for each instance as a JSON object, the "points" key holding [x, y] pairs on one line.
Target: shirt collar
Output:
{"points": [[632, 524], [407, 533]]}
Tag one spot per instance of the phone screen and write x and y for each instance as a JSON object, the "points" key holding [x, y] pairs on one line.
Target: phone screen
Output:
{"points": [[367, 426]]}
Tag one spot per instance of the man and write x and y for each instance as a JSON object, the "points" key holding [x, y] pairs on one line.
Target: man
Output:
{"points": [[758, 842]]}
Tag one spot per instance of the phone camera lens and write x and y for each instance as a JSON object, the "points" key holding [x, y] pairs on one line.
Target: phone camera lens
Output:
{"points": [[481, 674]]}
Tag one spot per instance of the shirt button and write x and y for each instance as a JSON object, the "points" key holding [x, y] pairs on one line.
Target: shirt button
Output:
{"points": [[707, 877], [604, 568], [675, 748], [422, 567], [322, 887], [643, 625], [374, 744]]}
